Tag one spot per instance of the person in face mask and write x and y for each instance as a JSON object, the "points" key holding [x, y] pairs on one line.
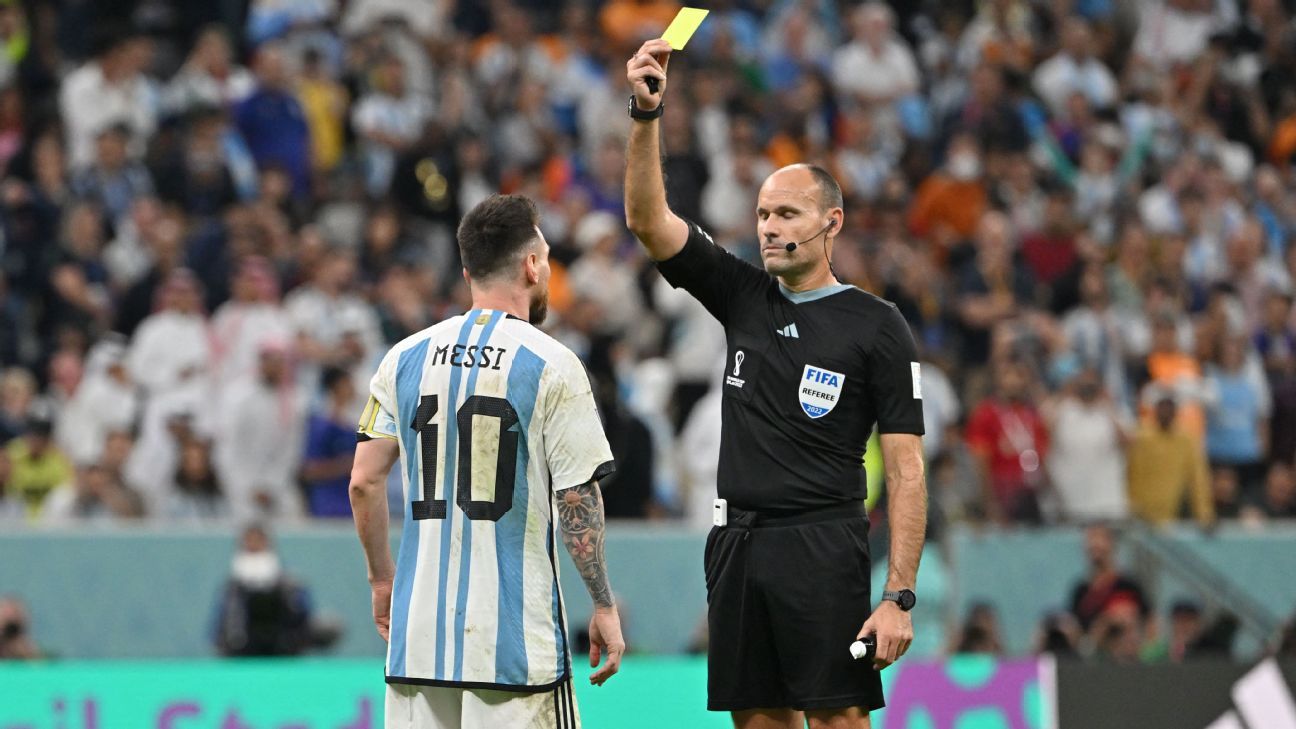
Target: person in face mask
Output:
{"points": [[263, 612], [950, 202]]}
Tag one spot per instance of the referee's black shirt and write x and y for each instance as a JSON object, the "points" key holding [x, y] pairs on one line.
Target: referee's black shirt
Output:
{"points": [[807, 376]]}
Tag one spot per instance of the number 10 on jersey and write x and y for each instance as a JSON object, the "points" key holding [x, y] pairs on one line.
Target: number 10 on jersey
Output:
{"points": [[506, 450]]}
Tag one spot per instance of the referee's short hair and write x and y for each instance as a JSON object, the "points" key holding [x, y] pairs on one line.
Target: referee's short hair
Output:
{"points": [[495, 233], [830, 193]]}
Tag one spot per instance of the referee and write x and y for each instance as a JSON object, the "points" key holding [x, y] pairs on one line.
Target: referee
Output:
{"points": [[812, 365]]}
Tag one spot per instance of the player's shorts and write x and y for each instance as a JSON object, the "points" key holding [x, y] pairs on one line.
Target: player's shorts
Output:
{"points": [[786, 597], [440, 707]]}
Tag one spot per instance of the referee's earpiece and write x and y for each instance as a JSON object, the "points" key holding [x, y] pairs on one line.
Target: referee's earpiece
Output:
{"points": [[832, 224]]}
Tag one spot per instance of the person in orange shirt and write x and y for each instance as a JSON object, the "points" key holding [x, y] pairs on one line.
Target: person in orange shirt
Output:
{"points": [[950, 202], [1173, 370], [627, 23]]}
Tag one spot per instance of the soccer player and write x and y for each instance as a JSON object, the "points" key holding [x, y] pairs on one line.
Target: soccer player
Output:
{"points": [[501, 449], [812, 365]]}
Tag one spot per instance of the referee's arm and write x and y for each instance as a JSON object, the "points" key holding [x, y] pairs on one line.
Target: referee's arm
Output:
{"points": [[662, 232], [902, 457]]}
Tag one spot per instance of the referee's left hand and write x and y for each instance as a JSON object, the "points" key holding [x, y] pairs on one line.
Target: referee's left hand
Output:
{"points": [[893, 630]]}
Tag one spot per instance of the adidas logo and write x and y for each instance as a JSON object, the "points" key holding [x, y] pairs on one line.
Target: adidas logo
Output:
{"points": [[1262, 700], [789, 331]]}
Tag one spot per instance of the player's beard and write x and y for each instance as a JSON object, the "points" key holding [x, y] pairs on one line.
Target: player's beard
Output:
{"points": [[539, 307]]}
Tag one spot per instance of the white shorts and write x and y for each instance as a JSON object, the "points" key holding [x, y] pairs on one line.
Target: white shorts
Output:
{"points": [[439, 707]]}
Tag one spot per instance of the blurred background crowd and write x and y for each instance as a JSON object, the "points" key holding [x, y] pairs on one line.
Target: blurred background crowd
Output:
{"points": [[217, 216]]}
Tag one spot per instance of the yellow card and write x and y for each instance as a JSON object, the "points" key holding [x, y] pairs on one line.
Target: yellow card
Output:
{"points": [[683, 27]]}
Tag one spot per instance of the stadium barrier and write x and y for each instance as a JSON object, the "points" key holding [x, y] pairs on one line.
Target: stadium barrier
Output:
{"points": [[962, 693], [151, 593]]}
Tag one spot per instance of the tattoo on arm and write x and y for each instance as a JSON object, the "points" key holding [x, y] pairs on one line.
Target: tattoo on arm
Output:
{"points": [[580, 513]]}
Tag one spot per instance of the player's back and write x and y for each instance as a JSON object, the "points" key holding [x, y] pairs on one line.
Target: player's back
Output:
{"points": [[489, 412]]}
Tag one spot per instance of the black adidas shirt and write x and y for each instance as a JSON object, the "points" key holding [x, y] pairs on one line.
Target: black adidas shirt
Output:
{"points": [[807, 376]]}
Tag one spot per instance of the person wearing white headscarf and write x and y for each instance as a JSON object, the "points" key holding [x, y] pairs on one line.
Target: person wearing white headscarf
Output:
{"points": [[252, 315], [258, 443], [105, 401]]}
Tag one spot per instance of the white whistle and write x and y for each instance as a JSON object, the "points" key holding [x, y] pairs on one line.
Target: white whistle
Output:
{"points": [[859, 649]]}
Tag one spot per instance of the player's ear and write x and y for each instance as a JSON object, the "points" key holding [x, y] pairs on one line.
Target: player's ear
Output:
{"points": [[467, 278], [531, 264]]}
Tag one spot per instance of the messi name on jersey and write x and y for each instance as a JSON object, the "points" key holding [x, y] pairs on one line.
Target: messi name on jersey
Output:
{"points": [[471, 355], [819, 390]]}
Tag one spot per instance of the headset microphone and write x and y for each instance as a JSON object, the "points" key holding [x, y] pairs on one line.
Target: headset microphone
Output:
{"points": [[793, 246]]}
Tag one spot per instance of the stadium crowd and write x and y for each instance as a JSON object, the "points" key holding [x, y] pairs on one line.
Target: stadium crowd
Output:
{"points": [[216, 217]]}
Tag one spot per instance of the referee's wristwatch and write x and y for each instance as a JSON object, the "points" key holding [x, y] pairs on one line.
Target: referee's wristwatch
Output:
{"points": [[906, 598], [640, 115]]}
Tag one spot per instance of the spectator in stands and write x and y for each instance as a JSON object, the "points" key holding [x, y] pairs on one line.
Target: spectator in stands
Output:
{"points": [[1226, 493], [1086, 460], [258, 439], [110, 89], [1105, 591], [979, 632], [1170, 32], [113, 180], [94, 496], [1187, 625], [601, 274], [195, 492], [1167, 468], [333, 324], [170, 350], [16, 642], [1060, 635], [1275, 337], [79, 298], [1119, 633], [627, 23], [1237, 421], [992, 287], [949, 205], [212, 171], [262, 611], [875, 69], [389, 119], [209, 77], [1095, 335], [1010, 440], [330, 447], [324, 102], [272, 122], [1277, 498], [1075, 69], [1175, 371], [37, 466], [630, 488], [252, 315], [105, 401]]}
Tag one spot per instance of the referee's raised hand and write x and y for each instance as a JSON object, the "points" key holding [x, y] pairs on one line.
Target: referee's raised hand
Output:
{"points": [[892, 628], [649, 61]]}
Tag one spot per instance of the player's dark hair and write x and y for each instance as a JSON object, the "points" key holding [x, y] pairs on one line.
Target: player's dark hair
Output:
{"points": [[830, 193], [495, 232]]}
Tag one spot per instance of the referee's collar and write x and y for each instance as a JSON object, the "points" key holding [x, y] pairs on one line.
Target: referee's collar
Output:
{"points": [[801, 297]]}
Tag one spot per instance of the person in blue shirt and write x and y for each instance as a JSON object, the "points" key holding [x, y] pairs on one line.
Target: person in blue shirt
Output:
{"points": [[272, 122], [1237, 423], [330, 447]]}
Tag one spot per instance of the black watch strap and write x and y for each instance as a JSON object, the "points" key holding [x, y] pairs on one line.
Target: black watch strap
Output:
{"points": [[906, 599], [640, 115]]}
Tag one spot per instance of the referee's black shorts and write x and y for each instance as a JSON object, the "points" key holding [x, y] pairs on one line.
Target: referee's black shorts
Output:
{"points": [[786, 598]]}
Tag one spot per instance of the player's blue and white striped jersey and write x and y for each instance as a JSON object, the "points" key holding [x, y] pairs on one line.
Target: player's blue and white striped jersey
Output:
{"points": [[493, 417]]}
